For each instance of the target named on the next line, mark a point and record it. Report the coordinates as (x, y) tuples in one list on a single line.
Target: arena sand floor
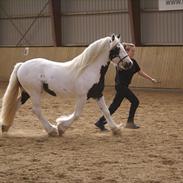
[(151, 154)]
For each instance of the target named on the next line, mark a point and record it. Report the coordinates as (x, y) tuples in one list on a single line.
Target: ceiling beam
[(56, 21), (134, 15)]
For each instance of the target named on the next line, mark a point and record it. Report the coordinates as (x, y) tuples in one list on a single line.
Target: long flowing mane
[(89, 55)]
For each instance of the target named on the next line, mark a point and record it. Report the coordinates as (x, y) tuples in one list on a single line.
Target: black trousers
[(121, 93)]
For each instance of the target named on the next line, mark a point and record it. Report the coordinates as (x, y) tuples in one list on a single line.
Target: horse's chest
[(96, 91)]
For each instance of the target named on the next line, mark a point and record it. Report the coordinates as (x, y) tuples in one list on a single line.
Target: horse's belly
[(61, 89)]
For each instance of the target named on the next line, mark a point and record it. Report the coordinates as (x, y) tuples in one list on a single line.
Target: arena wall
[(163, 63)]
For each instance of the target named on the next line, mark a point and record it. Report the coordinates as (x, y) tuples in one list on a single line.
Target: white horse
[(82, 77)]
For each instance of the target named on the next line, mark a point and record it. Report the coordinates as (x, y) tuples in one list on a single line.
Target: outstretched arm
[(146, 76)]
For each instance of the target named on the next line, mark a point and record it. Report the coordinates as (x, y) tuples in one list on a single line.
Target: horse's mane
[(89, 55)]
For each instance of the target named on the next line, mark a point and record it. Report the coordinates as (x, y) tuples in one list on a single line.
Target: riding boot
[(130, 124), (101, 125)]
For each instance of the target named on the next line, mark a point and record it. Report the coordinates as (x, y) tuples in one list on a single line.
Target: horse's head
[(118, 54)]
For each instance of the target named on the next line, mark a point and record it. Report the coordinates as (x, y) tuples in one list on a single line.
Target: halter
[(121, 59)]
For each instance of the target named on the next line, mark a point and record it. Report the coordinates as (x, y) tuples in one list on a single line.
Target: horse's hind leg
[(64, 122), (51, 129)]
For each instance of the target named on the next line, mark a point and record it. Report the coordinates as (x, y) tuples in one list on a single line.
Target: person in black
[(122, 80)]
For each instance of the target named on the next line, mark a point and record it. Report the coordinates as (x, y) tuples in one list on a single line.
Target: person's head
[(130, 49)]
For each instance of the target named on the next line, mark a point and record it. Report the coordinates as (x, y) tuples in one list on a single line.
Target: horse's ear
[(113, 37), (118, 36)]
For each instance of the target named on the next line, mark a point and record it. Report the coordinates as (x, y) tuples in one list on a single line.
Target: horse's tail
[(9, 101)]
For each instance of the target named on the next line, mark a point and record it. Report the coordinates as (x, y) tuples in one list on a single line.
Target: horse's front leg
[(103, 107), (64, 122)]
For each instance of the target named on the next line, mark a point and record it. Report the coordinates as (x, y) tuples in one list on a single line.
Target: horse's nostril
[(130, 64)]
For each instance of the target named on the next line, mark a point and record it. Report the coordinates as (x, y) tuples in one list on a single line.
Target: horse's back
[(32, 71), (37, 63), (30, 67)]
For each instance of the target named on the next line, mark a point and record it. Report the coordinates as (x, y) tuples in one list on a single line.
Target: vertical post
[(56, 21), (134, 15)]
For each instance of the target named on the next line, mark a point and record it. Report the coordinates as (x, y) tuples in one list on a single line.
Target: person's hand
[(154, 81)]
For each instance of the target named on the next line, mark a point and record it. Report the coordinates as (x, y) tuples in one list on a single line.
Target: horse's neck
[(102, 59), (88, 77), (94, 69)]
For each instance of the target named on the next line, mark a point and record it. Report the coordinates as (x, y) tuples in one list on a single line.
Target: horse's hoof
[(53, 134), (116, 131), (4, 128), (61, 129)]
